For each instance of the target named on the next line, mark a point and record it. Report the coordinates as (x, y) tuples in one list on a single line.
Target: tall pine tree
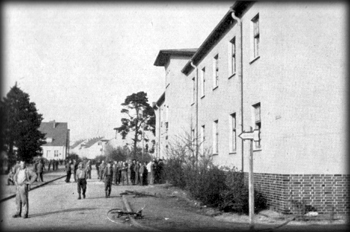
[(21, 123)]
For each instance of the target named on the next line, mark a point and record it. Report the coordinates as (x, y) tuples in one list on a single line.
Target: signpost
[(251, 136)]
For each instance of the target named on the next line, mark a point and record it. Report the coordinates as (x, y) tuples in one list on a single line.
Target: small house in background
[(88, 148), (57, 140)]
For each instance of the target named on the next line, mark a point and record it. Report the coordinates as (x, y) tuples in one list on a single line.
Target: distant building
[(57, 140), (89, 148), (280, 69)]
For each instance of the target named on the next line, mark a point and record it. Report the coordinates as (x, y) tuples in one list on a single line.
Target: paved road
[(55, 207)]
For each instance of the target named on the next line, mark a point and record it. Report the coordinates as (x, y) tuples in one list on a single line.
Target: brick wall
[(319, 192)]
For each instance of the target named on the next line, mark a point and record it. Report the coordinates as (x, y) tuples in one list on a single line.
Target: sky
[(79, 61)]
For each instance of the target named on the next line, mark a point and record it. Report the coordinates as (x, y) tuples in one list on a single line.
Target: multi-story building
[(57, 140), (173, 116), (278, 68)]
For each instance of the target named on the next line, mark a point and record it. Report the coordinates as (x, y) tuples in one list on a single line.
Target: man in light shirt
[(23, 178), (81, 175)]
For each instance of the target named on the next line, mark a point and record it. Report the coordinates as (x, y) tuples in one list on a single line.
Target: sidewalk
[(8, 191), (168, 207)]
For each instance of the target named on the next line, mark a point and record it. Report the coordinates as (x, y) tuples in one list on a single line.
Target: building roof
[(76, 143), (226, 22), (161, 100), (92, 141), (164, 55), (59, 133)]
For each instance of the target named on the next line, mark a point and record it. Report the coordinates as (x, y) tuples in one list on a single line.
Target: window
[(216, 137), (203, 82), (203, 139), (232, 57), (47, 153), (232, 145), (194, 90), (256, 36), (216, 71), (55, 153), (257, 123)]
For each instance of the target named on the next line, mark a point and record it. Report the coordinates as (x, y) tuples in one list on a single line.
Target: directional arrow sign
[(251, 135)]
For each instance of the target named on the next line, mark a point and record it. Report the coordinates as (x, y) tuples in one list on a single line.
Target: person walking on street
[(68, 170), (23, 178), (81, 175), (108, 176), (40, 171)]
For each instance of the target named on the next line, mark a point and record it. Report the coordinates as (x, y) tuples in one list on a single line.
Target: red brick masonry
[(320, 192)]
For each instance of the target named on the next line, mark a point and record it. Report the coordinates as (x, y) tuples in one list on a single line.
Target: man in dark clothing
[(40, 171), (108, 176), (97, 165), (74, 168), (68, 171), (132, 172)]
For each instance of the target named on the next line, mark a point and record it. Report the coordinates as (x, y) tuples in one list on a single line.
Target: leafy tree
[(140, 116), (21, 123), (118, 154)]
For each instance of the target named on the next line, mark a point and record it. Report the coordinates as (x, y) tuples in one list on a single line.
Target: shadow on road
[(60, 211)]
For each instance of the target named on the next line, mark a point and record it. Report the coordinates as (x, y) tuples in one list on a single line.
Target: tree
[(21, 123), (140, 117)]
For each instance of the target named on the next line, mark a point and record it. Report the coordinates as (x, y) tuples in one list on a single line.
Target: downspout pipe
[(240, 75), (196, 118)]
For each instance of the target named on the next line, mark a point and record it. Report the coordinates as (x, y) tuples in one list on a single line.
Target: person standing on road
[(40, 170), (88, 168), (81, 175), (97, 165), (74, 169), (124, 176), (23, 178), (141, 171), (137, 172), (68, 171), (115, 172), (132, 171), (108, 176), (150, 172)]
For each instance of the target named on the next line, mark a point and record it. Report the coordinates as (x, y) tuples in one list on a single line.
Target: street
[(55, 207)]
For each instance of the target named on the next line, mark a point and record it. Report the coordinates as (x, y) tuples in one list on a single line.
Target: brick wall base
[(288, 194)]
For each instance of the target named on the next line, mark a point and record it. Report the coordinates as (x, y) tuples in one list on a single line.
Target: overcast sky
[(78, 62)]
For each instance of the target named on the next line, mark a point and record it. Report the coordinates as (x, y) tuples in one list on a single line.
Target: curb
[(133, 221), (37, 186)]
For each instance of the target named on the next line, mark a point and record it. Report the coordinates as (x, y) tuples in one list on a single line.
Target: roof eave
[(215, 35)]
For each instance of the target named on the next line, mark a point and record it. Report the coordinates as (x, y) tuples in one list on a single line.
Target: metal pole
[(251, 184)]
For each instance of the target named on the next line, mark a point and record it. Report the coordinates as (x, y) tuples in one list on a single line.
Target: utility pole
[(251, 136)]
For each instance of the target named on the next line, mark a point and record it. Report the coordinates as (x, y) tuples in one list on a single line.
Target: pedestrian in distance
[(124, 172), (68, 170), (40, 171), (97, 165), (137, 172), (74, 169), (23, 178), (81, 175), (150, 172), (115, 172), (108, 177), (88, 169), (102, 168), (49, 165), (142, 170), (132, 171)]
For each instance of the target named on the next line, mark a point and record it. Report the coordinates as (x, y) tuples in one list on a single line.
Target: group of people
[(117, 172), (134, 172)]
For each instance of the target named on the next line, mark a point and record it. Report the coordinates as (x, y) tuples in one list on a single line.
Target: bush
[(236, 197)]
